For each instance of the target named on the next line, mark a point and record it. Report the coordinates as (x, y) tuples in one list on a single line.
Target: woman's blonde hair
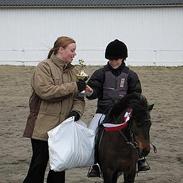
[(63, 42)]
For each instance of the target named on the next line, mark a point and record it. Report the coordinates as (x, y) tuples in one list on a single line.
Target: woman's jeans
[(39, 163)]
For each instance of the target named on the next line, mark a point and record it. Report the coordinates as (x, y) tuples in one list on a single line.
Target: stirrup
[(94, 171)]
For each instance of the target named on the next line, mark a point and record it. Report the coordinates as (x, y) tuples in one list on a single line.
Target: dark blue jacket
[(97, 80)]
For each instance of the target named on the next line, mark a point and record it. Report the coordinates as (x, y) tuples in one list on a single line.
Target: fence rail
[(95, 56)]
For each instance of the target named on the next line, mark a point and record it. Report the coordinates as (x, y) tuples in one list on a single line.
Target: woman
[(54, 98), (108, 85)]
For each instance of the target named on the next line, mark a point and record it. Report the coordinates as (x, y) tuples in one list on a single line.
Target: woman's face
[(68, 53)]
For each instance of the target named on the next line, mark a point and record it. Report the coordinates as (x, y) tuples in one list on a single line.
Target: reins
[(133, 143)]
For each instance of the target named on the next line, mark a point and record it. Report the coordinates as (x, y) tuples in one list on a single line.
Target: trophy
[(82, 75)]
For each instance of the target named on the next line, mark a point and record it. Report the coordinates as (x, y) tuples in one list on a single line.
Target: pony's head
[(140, 121)]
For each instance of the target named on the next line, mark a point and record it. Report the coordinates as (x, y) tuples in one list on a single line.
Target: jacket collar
[(60, 63)]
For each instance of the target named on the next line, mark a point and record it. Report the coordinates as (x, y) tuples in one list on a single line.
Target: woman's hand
[(81, 85), (75, 114)]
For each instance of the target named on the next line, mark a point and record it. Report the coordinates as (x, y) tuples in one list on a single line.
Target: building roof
[(88, 3)]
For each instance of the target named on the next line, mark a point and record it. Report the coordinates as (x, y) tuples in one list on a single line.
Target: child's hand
[(88, 90)]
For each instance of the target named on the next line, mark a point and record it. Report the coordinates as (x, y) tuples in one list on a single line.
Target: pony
[(127, 139)]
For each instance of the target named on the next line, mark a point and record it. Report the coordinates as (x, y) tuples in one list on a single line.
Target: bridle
[(133, 141)]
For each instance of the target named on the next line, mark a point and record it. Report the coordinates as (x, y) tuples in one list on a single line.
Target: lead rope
[(154, 147)]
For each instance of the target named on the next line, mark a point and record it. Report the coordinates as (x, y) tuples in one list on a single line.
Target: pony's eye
[(140, 124), (144, 123)]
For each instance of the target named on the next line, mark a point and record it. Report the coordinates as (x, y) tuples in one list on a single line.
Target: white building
[(152, 29)]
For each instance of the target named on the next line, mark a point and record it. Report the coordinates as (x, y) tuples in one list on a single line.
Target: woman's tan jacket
[(54, 97)]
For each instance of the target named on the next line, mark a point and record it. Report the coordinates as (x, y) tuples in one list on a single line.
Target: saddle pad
[(114, 127), (123, 124)]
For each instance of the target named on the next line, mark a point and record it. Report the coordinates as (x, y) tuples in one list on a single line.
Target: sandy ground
[(161, 85)]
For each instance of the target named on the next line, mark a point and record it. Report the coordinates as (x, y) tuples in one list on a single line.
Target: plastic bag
[(70, 145)]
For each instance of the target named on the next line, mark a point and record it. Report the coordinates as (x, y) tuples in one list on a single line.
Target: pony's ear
[(150, 107)]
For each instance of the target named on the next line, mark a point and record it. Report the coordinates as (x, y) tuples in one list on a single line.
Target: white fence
[(95, 57), (154, 36)]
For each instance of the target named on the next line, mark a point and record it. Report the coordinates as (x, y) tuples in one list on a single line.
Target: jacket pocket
[(50, 108)]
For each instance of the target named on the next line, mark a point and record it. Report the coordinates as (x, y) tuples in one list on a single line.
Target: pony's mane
[(135, 101)]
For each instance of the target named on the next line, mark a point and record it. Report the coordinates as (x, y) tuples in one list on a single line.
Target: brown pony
[(120, 146)]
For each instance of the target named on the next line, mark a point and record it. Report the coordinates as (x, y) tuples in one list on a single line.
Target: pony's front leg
[(129, 177), (109, 176)]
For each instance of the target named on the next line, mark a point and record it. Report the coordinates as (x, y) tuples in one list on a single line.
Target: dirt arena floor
[(163, 86)]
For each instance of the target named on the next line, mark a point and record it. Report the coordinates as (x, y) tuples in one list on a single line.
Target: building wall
[(154, 36)]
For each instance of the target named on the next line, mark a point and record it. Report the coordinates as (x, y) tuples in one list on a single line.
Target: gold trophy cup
[(82, 75)]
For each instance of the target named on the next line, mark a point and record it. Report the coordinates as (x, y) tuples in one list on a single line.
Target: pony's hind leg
[(109, 176), (129, 177), (115, 177)]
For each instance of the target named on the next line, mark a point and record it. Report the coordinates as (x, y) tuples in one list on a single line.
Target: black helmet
[(115, 50)]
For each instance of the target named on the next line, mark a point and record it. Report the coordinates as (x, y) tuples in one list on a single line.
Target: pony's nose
[(144, 148)]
